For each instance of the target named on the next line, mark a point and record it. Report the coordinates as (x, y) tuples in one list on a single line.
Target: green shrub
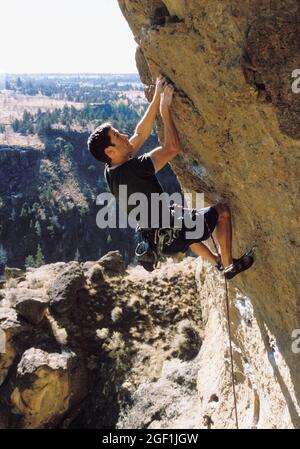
[(29, 261), (36, 261)]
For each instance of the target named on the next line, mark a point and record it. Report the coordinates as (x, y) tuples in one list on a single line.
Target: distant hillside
[(47, 203)]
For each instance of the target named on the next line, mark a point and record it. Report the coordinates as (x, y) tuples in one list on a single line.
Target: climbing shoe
[(238, 266), (219, 266)]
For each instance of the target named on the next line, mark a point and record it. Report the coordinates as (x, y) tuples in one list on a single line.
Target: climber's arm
[(145, 125), (162, 155)]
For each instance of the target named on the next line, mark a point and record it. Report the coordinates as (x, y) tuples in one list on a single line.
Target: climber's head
[(108, 145), (98, 141)]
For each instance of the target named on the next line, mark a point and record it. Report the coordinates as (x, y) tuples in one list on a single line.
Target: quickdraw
[(164, 236)]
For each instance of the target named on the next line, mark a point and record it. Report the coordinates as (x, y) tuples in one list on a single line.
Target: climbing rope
[(231, 355), (229, 330), (167, 236)]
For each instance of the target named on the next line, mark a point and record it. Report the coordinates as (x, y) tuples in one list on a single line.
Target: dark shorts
[(181, 244)]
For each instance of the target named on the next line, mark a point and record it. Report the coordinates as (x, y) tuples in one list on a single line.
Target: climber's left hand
[(161, 82)]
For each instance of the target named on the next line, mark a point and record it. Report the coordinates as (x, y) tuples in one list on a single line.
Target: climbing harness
[(164, 236), (146, 255), (152, 238)]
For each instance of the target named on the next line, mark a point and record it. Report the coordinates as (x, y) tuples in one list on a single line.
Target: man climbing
[(108, 145)]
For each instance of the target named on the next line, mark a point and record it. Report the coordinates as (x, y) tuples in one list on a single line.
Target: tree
[(43, 125), (68, 149), (3, 255), (29, 262), (30, 129), (35, 207), (16, 125), (46, 194), (8, 85), (54, 221), (24, 211), (39, 258), (38, 228), (77, 255)]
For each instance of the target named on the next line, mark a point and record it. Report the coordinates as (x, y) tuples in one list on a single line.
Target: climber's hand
[(166, 99), (159, 86)]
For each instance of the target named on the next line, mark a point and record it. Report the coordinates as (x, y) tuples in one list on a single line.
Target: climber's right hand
[(166, 98)]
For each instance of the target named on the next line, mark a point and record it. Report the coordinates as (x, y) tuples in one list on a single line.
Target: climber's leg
[(223, 232), (202, 250)]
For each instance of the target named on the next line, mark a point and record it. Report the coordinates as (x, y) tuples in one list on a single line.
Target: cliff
[(99, 344), (231, 64)]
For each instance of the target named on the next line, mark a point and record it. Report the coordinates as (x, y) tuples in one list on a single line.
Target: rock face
[(112, 263), (232, 67), (265, 390), (140, 350), (63, 291), (106, 332), (31, 305), (10, 326), (44, 387)]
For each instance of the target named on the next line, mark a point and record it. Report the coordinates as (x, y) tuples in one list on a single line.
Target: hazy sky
[(65, 36)]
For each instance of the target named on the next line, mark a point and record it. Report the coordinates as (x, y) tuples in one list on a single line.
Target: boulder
[(88, 264), (10, 326), (31, 304), (47, 384), (113, 263), (13, 273), (63, 291)]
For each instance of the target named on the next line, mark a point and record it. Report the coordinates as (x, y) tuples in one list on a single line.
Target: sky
[(65, 36)]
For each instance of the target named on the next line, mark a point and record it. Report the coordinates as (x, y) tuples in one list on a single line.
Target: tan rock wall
[(231, 63)]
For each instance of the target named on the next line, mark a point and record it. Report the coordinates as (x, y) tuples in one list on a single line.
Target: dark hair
[(98, 141)]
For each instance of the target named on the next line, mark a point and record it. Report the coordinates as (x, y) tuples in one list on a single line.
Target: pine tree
[(39, 258), (29, 261), (68, 149), (16, 125), (38, 228), (3, 255)]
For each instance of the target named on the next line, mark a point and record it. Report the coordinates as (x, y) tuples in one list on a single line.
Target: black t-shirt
[(138, 174)]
